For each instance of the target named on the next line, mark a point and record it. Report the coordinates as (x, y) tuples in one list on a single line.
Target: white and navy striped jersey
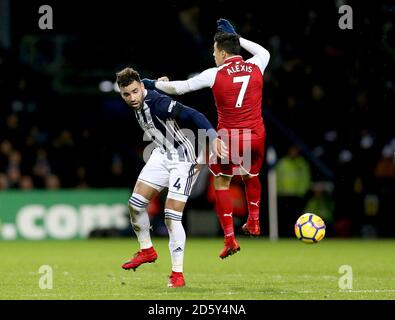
[(177, 130)]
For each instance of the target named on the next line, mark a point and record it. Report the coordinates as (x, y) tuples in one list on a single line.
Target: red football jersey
[(237, 92), (237, 87)]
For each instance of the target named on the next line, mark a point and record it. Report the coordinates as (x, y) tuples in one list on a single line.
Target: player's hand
[(148, 83), (225, 26), (219, 148), (164, 78)]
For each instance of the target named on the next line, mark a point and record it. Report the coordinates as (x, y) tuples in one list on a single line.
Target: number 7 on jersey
[(244, 80)]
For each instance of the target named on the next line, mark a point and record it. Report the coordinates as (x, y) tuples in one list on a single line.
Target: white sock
[(177, 238), (140, 220)]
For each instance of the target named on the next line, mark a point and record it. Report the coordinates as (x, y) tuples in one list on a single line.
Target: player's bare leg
[(173, 220), (253, 197), (139, 219), (224, 208)]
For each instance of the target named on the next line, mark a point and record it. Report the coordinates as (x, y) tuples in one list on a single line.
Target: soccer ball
[(310, 228)]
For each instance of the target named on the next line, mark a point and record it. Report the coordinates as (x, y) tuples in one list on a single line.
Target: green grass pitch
[(287, 269)]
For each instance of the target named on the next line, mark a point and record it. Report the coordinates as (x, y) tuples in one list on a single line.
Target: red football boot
[(142, 256), (231, 247), (176, 280), (252, 228)]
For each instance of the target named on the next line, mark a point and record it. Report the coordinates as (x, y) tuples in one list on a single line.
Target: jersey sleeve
[(163, 107), (187, 116), (260, 57), (205, 79), (166, 108)]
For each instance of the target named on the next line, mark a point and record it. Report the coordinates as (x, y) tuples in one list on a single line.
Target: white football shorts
[(179, 177)]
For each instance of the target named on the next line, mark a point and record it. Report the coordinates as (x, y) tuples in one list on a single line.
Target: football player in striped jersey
[(179, 134)]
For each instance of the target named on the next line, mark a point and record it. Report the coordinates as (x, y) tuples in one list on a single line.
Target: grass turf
[(283, 270)]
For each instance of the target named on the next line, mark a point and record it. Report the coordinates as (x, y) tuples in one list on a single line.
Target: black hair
[(126, 76), (228, 42)]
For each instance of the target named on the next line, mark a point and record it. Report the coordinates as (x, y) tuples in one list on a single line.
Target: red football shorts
[(245, 157)]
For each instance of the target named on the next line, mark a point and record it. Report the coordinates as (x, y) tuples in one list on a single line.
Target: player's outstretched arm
[(255, 49), (169, 87), (203, 80), (172, 87), (189, 115)]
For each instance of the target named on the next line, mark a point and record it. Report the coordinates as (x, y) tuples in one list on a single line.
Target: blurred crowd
[(321, 84)]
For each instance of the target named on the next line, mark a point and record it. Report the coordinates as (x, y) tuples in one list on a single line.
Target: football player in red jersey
[(237, 86)]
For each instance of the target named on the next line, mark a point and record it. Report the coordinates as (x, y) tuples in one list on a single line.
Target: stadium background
[(328, 91)]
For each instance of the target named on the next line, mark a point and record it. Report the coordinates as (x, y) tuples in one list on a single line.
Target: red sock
[(224, 208), (253, 195)]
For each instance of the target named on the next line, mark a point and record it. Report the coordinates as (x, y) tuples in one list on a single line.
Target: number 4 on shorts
[(177, 184)]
